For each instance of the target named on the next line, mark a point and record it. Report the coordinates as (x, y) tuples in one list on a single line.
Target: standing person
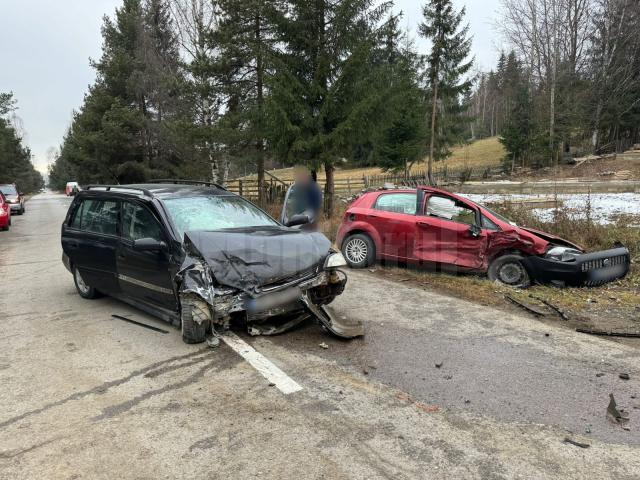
[(303, 198)]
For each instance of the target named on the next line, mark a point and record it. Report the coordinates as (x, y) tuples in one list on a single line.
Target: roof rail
[(187, 182), (119, 189)]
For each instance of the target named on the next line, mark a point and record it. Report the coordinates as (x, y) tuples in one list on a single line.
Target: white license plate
[(273, 300)]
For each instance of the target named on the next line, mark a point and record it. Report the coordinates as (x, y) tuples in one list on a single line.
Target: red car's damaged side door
[(448, 232)]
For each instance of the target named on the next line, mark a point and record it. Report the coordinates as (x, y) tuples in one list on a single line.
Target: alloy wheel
[(82, 286), (356, 250)]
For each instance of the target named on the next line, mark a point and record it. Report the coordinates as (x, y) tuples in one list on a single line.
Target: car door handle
[(372, 216), (423, 224)]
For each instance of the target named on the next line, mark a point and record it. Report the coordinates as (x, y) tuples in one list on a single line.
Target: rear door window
[(97, 216), (397, 203), (138, 222)]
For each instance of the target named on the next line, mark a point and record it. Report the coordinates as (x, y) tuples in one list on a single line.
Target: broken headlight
[(335, 260), (563, 254)]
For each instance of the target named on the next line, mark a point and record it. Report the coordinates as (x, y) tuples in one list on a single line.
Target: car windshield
[(208, 213), (8, 189), (498, 216)]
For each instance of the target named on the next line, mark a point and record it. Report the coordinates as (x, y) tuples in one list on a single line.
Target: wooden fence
[(275, 189)]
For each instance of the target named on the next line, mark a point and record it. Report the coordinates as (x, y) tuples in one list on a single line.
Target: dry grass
[(479, 154)]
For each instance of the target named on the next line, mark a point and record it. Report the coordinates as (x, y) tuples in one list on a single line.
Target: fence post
[(349, 185), (240, 187)]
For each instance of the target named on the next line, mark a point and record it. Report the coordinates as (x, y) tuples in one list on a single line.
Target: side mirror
[(474, 231), (298, 220), (149, 245)]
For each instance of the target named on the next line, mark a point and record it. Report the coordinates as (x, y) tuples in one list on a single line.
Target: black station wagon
[(200, 257)]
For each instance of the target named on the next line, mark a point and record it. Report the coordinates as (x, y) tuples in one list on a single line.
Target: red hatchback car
[(5, 213), (436, 228)]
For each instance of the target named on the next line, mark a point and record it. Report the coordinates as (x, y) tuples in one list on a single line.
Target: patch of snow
[(604, 206)]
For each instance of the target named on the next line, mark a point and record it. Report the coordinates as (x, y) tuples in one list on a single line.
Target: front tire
[(195, 318), (84, 290), (509, 270), (359, 250)]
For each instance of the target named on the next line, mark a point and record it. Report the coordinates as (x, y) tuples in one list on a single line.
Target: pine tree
[(517, 134), (402, 129), (447, 68), (15, 158), (124, 131), (245, 40), (321, 101)]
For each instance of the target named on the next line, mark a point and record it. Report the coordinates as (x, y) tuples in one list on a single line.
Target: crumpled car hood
[(249, 258), (552, 238)]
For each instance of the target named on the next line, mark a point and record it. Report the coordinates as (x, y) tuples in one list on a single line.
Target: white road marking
[(258, 361)]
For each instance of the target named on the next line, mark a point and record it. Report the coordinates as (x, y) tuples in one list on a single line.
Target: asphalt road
[(85, 396)]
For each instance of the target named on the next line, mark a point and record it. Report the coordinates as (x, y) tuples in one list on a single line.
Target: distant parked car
[(437, 228), (71, 189), (14, 197), (5, 213)]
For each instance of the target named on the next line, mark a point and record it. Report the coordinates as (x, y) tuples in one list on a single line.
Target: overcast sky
[(45, 48)]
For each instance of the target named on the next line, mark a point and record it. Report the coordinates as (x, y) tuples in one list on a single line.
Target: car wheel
[(195, 318), (359, 250), (84, 290), (509, 270)]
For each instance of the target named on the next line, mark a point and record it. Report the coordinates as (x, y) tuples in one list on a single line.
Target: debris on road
[(614, 414), (406, 398), (323, 345), (608, 333), (624, 376), (553, 307), (427, 408), (526, 306), (438, 365), (140, 324), (577, 444)]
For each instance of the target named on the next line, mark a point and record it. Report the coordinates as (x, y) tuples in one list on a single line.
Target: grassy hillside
[(481, 153)]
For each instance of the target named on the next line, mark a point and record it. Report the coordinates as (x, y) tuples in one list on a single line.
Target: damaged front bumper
[(276, 309), (586, 270)]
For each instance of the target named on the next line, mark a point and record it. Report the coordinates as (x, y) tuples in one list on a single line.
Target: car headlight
[(335, 260), (563, 254)]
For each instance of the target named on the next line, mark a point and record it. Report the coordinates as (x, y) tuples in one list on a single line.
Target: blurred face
[(302, 177)]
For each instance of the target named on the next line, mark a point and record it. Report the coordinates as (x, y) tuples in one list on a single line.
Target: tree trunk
[(434, 107), (328, 189), (260, 98), (552, 116)]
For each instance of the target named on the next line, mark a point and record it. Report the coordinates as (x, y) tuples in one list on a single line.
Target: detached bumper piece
[(340, 326), (588, 270)]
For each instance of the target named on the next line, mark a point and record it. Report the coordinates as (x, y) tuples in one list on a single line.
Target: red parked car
[(436, 228), (5, 213)]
